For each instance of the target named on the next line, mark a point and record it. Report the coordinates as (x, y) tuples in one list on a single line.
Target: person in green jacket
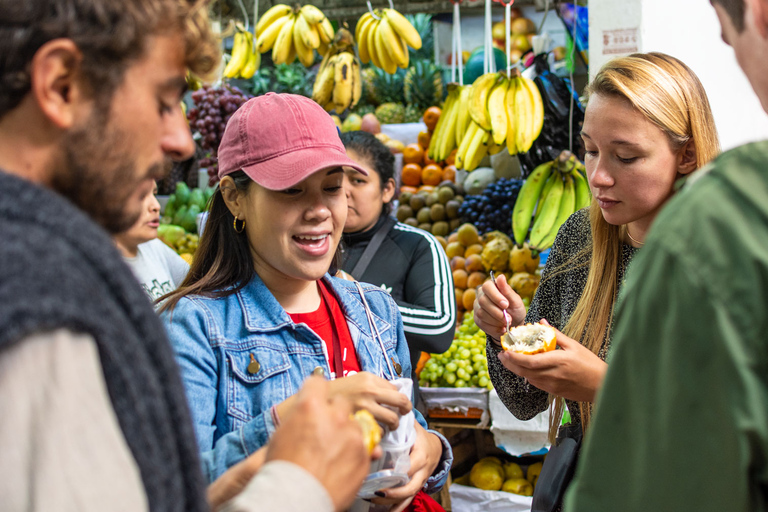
[(681, 421)]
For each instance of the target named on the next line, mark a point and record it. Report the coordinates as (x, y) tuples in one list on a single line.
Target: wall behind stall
[(472, 29), (689, 31)]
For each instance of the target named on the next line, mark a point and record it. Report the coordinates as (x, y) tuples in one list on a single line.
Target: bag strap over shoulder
[(373, 246)]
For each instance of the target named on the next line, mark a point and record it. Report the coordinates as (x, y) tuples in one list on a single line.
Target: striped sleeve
[(429, 306)]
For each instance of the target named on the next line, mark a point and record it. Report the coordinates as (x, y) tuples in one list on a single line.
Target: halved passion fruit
[(530, 339)]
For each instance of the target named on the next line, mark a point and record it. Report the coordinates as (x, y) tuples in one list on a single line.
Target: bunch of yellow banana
[(511, 109), (244, 60), (292, 32), (551, 194), (383, 37), (338, 85)]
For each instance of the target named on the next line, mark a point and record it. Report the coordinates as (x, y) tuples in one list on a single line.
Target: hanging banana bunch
[(244, 60), (292, 32), (493, 111), (338, 85), (383, 38), (551, 194)]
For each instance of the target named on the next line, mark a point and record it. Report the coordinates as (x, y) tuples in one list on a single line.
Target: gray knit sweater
[(60, 270)]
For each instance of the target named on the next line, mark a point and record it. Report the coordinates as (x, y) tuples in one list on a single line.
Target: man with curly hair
[(94, 415)]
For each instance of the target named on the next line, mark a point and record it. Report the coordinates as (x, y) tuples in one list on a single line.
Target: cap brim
[(290, 168)]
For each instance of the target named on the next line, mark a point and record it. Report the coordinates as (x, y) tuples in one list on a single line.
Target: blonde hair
[(671, 96)]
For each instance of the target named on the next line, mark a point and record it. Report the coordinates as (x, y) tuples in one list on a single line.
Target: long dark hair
[(368, 146), (223, 264)]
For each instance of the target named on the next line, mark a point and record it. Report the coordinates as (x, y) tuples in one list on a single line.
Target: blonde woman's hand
[(425, 456), (573, 372), (368, 391), (492, 300)]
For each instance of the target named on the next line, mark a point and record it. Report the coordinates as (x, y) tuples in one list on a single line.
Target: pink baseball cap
[(279, 140)]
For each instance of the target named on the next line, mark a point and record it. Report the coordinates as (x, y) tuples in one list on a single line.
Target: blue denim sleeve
[(440, 476), (190, 328)]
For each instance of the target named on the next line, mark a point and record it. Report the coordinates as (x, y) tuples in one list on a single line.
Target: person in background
[(647, 123), (94, 415), (407, 262), (259, 311), (157, 267), (681, 419)]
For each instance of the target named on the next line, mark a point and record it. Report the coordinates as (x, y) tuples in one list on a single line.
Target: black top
[(58, 269), (555, 300), (412, 266)]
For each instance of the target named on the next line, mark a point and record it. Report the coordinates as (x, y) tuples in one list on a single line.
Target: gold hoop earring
[(242, 228)]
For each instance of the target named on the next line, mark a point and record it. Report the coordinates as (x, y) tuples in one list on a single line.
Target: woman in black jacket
[(407, 262)]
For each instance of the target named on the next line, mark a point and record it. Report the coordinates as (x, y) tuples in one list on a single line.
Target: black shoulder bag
[(557, 471)]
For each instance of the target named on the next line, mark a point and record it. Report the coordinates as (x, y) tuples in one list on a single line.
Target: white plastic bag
[(471, 499)]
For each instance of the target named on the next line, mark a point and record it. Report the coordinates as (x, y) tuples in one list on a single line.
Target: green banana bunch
[(566, 208), (294, 32), (338, 85), (552, 193), (526, 201), (383, 37)]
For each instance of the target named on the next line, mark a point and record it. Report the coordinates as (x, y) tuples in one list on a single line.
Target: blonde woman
[(648, 123)]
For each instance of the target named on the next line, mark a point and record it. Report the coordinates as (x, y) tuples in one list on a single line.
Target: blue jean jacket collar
[(262, 312)]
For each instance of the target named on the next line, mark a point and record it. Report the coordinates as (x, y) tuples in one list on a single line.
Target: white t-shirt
[(158, 268)]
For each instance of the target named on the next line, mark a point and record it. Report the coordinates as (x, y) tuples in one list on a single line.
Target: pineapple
[(364, 108), (412, 114), (390, 113), (423, 25), (423, 85), (388, 88), (368, 74)]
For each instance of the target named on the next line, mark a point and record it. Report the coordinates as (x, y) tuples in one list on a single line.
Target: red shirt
[(323, 325)]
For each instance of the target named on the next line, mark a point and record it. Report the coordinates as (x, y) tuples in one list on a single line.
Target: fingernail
[(380, 494)]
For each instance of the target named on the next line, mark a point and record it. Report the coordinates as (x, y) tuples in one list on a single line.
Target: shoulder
[(574, 235), (377, 298), (413, 240)]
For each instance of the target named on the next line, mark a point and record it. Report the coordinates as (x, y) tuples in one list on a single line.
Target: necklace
[(636, 241)]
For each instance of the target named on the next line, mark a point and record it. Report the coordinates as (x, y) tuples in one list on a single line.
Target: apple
[(370, 124)]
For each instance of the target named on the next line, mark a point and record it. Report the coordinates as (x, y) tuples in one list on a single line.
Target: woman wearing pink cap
[(259, 311)]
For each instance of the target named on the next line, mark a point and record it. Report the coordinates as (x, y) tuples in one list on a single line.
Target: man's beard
[(98, 174)]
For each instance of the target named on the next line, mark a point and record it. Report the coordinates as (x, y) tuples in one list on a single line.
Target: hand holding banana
[(554, 190), (383, 37), (338, 85), (293, 32)]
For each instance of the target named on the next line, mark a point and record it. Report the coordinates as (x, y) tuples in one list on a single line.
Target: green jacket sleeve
[(681, 420)]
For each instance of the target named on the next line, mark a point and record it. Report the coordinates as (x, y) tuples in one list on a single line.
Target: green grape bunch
[(464, 364)]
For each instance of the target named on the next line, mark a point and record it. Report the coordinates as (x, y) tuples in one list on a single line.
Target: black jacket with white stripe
[(412, 266)]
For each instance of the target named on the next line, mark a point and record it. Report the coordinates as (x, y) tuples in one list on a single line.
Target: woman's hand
[(368, 391), (491, 303), (425, 456), (574, 372)]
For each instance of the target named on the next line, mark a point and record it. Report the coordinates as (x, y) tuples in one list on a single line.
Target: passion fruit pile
[(435, 211)]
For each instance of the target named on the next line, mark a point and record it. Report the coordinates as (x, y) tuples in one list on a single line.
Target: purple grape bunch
[(208, 118), (492, 210)]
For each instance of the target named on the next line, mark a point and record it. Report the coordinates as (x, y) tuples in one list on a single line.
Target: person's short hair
[(735, 10), (368, 146), (111, 34)]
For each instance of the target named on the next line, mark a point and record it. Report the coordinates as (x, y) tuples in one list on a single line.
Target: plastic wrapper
[(471, 499)]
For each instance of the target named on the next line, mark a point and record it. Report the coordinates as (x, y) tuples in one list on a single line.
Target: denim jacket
[(214, 339)]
